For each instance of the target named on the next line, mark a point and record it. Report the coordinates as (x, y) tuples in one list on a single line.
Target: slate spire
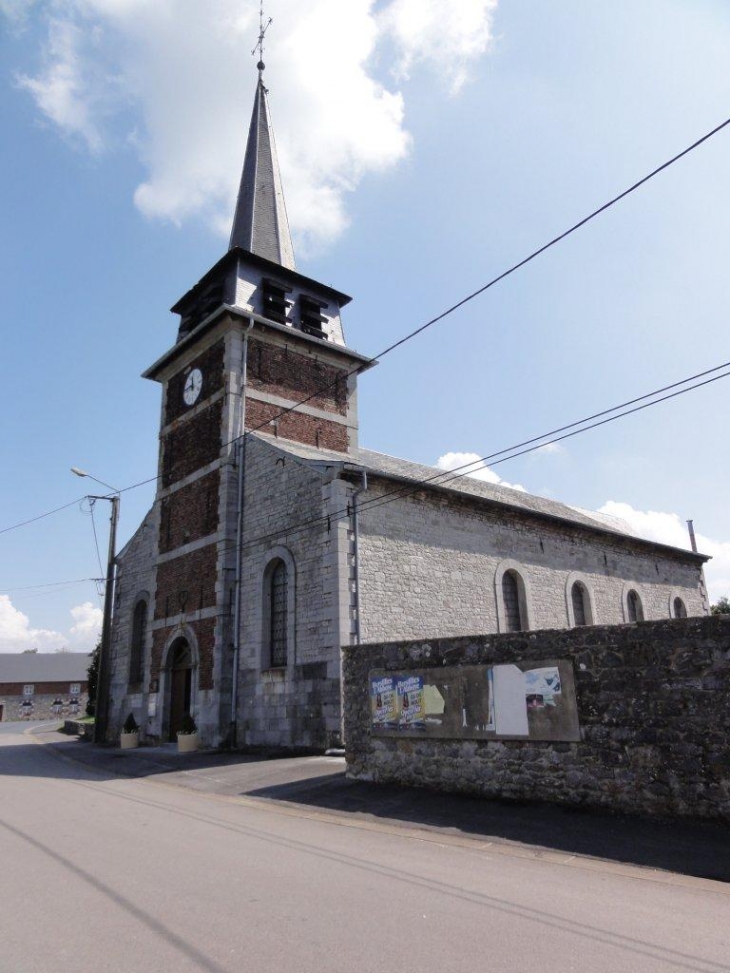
[(260, 223)]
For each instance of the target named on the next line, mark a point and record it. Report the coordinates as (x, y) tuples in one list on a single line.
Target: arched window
[(634, 607), (680, 609), (139, 635), (578, 595), (513, 615), (278, 615)]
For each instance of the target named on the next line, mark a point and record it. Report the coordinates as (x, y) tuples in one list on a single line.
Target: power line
[(500, 277), (444, 314), (470, 297), (48, 513), (50, 584), (519, 449)]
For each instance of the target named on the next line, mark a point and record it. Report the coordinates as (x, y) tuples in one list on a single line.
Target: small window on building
[(278, 615), (635, 609), (74, 689), (513, 615), (579, 594), (29, 690), (680, 609), (139, 635)]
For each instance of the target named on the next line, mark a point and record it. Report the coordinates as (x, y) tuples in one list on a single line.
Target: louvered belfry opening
[(311, 318), (279, 615), (275, 304)]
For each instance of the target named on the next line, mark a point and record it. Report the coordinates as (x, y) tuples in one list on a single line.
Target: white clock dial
[(193, 385)]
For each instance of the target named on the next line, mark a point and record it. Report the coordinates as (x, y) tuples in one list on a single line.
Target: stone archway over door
[(181, 684)]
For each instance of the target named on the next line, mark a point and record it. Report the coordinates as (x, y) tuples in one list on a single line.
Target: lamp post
[(101, 714)]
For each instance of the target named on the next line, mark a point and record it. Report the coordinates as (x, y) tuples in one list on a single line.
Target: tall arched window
[(680, 609), (513, 615), (139, 634), (578, 596), (278, 615), (634, 606)]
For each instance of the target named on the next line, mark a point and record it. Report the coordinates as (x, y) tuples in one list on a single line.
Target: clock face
[(193, 385)]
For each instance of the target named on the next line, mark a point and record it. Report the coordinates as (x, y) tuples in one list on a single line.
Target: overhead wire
[(440, 317), (519, 449)]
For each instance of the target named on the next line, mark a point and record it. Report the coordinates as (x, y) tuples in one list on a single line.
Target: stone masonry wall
[(297, 705), (428, 567), (652, 705), (50, 701), (135, 580)]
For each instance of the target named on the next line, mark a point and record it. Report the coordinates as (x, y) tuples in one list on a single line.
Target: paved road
[(129, 875)]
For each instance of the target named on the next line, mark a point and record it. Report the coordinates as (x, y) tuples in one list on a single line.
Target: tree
[(92, 675), (30, 651), (722, 607)]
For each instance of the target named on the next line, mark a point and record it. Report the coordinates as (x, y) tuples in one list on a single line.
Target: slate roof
[(260, 222), (394, 468), (32, 667)]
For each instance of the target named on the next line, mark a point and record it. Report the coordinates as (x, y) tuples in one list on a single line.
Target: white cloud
[(178, 75), (63, 91), (551, 449), (446, 37), (476, 468), (87, 626), (17, 633), (669, 528)]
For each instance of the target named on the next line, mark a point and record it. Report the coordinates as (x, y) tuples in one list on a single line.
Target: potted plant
[(187, 735), (129, 737)]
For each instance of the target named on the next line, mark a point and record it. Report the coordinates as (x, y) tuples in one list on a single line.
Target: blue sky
[(424, 149)]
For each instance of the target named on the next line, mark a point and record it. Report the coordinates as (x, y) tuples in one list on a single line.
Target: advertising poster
[(383, 702), (411, 709)]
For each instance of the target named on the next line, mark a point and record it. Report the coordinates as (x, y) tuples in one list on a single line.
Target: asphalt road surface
[(104, 874)]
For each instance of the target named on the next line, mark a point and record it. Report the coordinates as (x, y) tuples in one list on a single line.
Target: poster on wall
[(383, 705), (510, 701), (411, 709)]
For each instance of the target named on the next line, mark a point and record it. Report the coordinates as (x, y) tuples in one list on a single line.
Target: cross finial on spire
[(260, 43)]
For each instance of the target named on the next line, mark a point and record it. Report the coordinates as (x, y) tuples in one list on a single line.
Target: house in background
[(43, 685)]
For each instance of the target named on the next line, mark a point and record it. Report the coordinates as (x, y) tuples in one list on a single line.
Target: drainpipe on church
[(356, 533), (241, 461)]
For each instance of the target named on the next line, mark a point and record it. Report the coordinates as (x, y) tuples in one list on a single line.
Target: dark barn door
[(181, 680)]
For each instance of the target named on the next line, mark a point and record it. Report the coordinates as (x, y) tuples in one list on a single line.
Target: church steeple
[(260, 223)]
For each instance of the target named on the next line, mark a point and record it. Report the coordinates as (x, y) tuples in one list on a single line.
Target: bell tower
[(260, 349)]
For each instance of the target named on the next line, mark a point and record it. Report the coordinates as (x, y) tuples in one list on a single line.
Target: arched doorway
[(181, 683)]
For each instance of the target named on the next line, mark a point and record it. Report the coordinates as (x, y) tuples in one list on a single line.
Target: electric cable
[(444, 314), (519, 449)]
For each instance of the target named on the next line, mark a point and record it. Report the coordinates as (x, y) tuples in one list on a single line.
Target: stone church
[(264, 553)]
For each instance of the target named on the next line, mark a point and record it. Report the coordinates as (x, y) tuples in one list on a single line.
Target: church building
[(275, 538)]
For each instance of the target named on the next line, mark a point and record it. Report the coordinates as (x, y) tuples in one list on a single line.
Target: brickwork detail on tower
[(210, 364), (190, 513), (186, 584), (298, 426), (291, 375), (193, 444)]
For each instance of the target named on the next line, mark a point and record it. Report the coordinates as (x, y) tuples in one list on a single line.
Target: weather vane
[(263, 27)]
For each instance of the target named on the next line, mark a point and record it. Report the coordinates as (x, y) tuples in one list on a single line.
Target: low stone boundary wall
[(653, 716)]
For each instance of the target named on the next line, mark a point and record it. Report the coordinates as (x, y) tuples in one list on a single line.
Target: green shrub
[(188, 725), (130, 724)]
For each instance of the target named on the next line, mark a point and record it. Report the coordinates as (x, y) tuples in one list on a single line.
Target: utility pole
[(102, 690)]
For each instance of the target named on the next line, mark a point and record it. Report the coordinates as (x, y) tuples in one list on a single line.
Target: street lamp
[(101, 715)]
